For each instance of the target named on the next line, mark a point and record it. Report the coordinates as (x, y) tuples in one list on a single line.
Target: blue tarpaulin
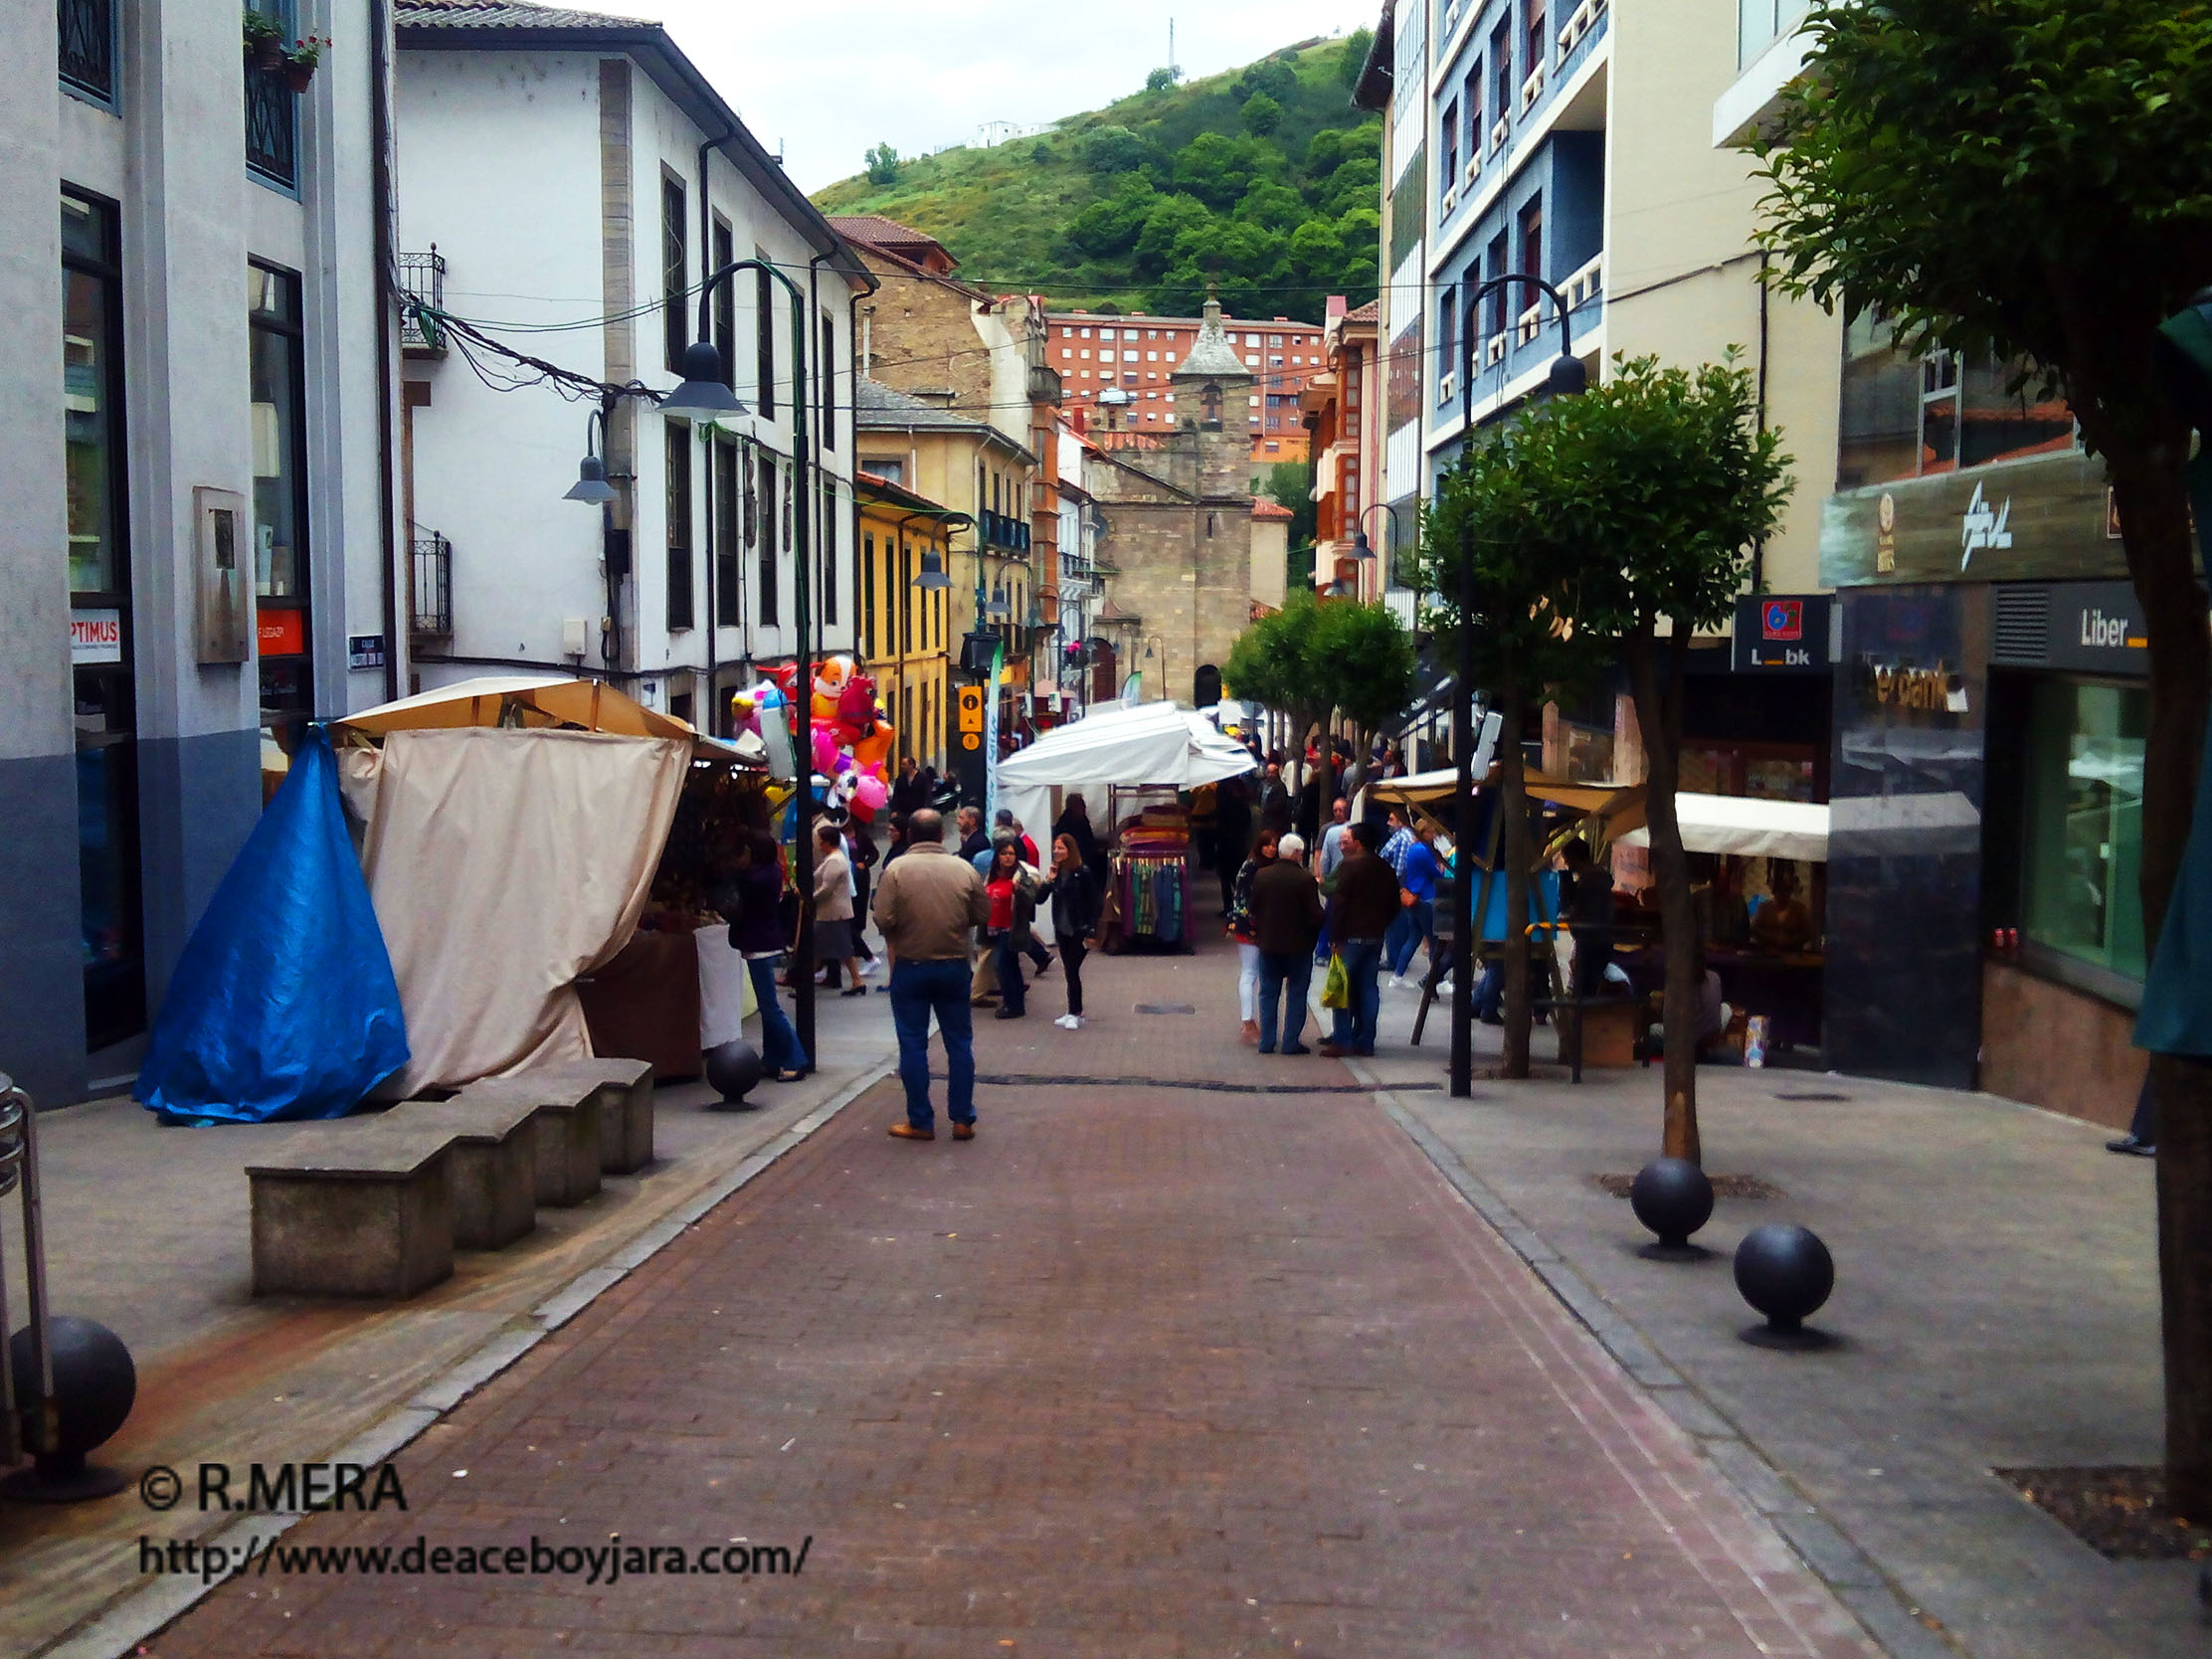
[(284, 1003)]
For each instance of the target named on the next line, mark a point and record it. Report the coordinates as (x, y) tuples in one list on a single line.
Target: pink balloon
[(872, 793), (826, 748)]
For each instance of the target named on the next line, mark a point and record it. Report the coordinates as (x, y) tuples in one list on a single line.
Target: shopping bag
[(1336, 984)]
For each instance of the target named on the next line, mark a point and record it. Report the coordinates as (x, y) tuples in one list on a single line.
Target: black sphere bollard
[(1786, 1273), (1673, 1197), (734, 1070), (95, 1385)]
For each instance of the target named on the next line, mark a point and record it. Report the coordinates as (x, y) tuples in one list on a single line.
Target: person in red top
[(1011, 885)]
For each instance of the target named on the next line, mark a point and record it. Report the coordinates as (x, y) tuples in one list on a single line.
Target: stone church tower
[(1178, 511)]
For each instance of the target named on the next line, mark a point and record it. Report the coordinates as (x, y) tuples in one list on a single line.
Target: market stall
[(1145, 757)]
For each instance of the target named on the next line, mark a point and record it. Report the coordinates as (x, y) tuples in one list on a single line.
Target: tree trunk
[(1325, 789), (1513, 853), (2154, 519), (1659, 711)]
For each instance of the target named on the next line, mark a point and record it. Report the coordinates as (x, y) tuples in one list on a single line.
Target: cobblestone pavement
[(1144, 1370)]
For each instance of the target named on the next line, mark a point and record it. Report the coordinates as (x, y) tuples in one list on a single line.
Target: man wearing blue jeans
[(1361, 911), (925, 907), (1285, 911), (1416, 876)]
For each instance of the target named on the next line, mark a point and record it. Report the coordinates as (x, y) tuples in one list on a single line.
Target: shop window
[(280, 564), (2083, 854)]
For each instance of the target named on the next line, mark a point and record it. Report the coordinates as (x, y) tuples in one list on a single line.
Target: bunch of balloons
[(852, 735)]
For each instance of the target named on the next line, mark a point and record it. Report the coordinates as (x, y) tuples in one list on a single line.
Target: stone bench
[(624, 1108), (363, 1208), (493, 1164), (566, 1112)]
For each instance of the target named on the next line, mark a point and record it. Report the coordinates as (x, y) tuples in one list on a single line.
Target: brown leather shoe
[(907, 1132), (964, 1131), (1333, 1052)]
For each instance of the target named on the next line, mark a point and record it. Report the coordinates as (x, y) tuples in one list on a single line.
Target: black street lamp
[(591, 483), (704, 398), (1565, 378)]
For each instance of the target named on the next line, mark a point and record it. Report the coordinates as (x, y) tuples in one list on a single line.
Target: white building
[(197, 556), (550, 189)]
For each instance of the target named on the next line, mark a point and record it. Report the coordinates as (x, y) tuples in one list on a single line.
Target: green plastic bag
[(1336, 984)]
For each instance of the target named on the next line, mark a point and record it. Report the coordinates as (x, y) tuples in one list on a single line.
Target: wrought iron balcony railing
[(423, 279), (87, 47), (431, 587), (272, 127)]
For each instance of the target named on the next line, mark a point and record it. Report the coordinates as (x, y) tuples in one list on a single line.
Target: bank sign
[(1782, 633)]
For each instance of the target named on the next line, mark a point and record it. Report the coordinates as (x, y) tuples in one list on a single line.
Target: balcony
[(1585, 284), (1584, 20), (1532, 89), (88, 47), (430, 586), (271, 127), (1045, 384), (1005, 532), (423, 280)]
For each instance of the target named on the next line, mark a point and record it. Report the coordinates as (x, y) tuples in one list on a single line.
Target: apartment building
[(576, 178), (1136, 358), (199, 552)]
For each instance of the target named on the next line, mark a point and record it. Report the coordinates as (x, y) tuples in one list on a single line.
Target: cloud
[(828, 80)]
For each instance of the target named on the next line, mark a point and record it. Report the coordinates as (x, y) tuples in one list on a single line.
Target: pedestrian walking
[(925, 906), (1240, 930), (910, 789), (1398, 842), (1075, 897), (1360, 913), (1233, 836), (1075, 822), (859, 848), (1416, 881), (1032, 946), (1012, 888), (760, 933), (972, 839), (1332, 839), (1286, 915), (1274, 800), (834, 910), (896, 842)]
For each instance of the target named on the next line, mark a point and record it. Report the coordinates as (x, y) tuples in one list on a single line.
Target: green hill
[(1263, 180)]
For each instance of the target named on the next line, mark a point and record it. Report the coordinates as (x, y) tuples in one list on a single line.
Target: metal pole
[(1463, 1080), (803, 684)]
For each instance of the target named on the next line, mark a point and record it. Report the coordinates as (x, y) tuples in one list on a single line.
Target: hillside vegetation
[(1263, 180)]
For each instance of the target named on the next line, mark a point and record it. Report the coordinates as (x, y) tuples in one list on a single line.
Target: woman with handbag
[(761, 929), (1075, 895), (1240, 930)]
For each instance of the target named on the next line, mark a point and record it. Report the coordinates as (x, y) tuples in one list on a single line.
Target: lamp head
[(702, 397), (1568, 377), (1361, 548), (591, 483), (932, 575)]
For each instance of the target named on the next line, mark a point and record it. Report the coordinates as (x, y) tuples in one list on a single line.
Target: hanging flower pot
[(266, 54), (298, 64), (299, 75)]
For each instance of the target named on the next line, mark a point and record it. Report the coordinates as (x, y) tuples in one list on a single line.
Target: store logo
[(1984, 527), (1783, 618)]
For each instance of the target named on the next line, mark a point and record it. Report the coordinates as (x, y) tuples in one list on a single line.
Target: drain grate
[(1724, 1185), (1167, 1007), (1809, 1094), (1210, 1085)]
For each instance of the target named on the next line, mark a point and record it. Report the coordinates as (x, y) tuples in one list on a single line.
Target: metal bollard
[(19, 1169)]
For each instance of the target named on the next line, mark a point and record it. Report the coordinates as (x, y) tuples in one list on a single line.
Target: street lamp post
[(702, 399), (1567, 378)]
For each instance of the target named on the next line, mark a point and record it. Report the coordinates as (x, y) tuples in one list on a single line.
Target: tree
[(1219, 170), (1110, 227), (1663, 482), (1112, 149), (884, 165), (1270, 664), (1289, 484), (1159, 79), (2034, 178), (1261, 114), (1315, 662), (1357, 46), (1364, 658), (1493, 519)]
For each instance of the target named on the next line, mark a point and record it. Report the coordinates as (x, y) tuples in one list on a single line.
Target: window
[(1274, 339), (1495, 263), (765, 520), (2083, 818), (726, 305), (1901, 419), (1447, 338), (892, 468), (273, 108), (674, 259), (729, 610), (1538, 51), (1761, 22), (278, 416), (764, 310), (826, 541), (1448, 180), (100, 583), (1086, 333), (906, 599), (1151, 357), (88, 49), (1501, 74), (678, 437), (1471, 93), (1532, 239)]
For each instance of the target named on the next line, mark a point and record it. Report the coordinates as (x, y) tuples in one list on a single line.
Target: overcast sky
[(828, 79)]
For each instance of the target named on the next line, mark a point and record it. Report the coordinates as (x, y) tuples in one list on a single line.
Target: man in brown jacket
[(1285, 909), (1360, 914), (925, 906)]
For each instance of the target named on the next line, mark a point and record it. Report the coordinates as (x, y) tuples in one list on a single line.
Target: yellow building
[(903, 631)]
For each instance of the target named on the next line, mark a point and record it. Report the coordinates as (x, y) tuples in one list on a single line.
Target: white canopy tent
[(1747, 825), (1149, 743)]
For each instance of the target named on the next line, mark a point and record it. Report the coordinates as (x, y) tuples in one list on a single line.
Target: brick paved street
[(1144, 1370)]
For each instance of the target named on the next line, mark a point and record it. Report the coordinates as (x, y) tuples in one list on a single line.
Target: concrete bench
[(363, 1208), (624, 1108), (567, 1115), (493, 1164)]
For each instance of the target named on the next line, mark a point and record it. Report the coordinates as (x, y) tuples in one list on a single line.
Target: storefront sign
[(1782, 633), (365, 650), (282, 632), (2044, 517), (2096, 627), (95, 636)]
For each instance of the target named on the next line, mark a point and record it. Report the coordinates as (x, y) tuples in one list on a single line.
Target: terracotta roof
[(1262, 507), (1372, 311), (874, 228), (880, 408), (505, 14), (886, 489)]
